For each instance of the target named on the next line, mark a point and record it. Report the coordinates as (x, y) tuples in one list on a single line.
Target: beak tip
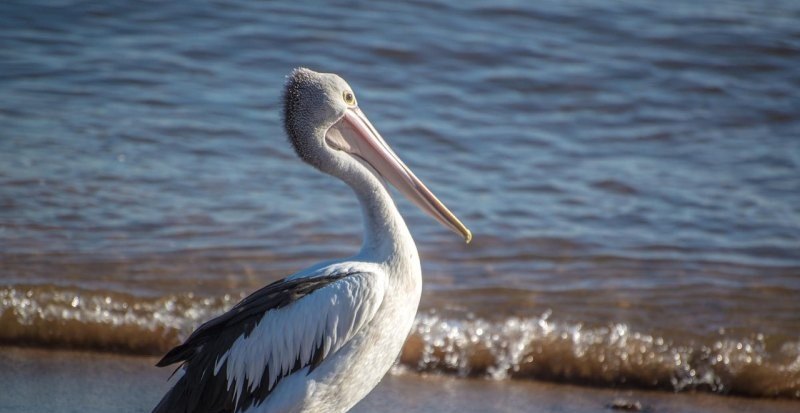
[(468, 236)]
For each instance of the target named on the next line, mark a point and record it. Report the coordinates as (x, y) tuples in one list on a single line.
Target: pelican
[(321, 339)]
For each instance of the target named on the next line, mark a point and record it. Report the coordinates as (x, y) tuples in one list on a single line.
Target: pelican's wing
[(235, 360)]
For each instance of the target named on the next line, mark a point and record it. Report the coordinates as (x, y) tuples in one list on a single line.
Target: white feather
[(220, 362), (229, 371)]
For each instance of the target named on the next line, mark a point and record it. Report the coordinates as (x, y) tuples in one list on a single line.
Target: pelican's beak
[(355, 135)]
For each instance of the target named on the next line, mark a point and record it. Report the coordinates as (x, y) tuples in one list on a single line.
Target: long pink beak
[(355, 135)]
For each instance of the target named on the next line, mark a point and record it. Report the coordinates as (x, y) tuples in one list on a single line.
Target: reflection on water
[(619, 165)]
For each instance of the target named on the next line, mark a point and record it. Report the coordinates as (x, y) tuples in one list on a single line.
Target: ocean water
[(630, 171)]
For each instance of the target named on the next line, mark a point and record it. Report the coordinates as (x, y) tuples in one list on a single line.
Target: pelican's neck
[(386, 236)]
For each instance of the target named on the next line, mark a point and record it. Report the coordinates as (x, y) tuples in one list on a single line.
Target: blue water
[(617, 162)]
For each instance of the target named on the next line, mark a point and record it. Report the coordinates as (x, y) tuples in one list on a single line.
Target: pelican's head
[(329, 131)]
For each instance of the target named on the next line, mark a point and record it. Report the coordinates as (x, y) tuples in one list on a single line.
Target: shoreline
[(72, 381)]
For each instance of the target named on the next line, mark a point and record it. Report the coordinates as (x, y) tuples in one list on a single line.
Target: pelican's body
[(321, 339)]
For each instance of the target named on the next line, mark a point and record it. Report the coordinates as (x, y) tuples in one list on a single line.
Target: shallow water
[(631, 173)]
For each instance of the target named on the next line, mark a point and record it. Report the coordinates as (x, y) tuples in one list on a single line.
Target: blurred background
[(630, 171)]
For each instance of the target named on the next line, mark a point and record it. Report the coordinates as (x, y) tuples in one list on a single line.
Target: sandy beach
[(36, 380)]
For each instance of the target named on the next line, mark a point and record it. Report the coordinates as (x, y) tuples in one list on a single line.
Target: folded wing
[(235, 360)]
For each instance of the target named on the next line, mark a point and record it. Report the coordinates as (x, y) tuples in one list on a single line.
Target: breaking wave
[(613, 355), (538, 347)]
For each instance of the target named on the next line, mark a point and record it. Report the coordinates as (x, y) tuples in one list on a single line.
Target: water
[(631, 172)]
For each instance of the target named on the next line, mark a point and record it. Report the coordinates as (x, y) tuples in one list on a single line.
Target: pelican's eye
[(349, 98)]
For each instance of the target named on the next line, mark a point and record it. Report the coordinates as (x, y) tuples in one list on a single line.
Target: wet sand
[(66, 381)]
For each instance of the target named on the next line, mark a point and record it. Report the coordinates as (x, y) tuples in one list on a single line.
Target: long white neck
[(386, 236)]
